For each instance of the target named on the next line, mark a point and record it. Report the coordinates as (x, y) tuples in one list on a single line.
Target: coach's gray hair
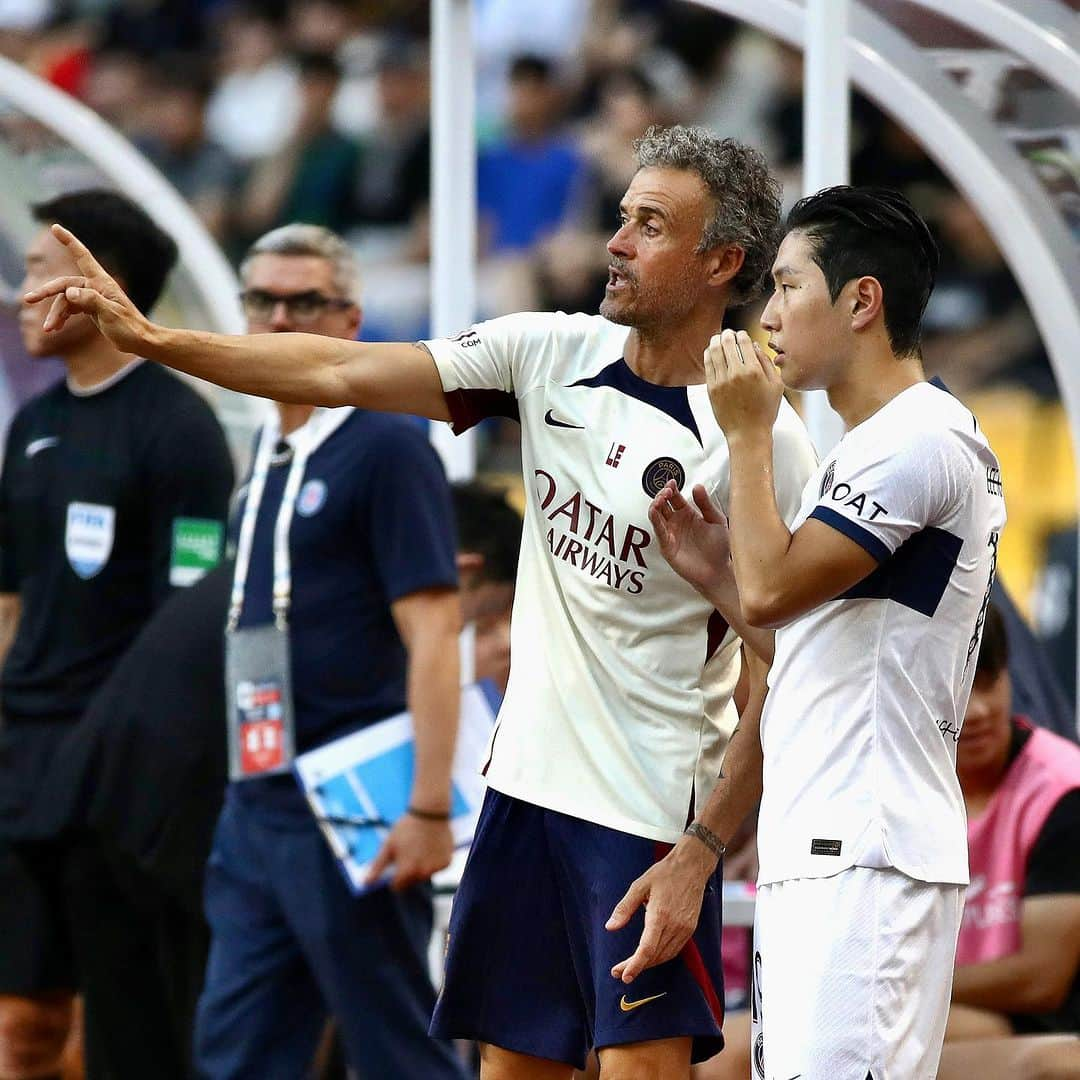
[(314, 240), (746, 196)]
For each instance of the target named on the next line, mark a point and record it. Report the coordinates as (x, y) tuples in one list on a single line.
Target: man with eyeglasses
[(344, 535)]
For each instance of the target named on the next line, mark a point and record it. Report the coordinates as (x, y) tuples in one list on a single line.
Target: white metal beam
[(117, 159), (1045, 33), (453, 197), (826, 153)]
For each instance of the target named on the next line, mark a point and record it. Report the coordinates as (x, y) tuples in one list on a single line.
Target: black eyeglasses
[(301, 307)]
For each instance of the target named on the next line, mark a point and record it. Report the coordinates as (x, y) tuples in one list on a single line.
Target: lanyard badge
[(258, 676), (260, 708)]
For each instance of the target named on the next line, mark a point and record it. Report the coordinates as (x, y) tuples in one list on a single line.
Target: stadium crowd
[(268, 114)]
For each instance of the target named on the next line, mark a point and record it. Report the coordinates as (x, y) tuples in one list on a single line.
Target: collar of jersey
[(318, 427), (672, 400), (112, 380)]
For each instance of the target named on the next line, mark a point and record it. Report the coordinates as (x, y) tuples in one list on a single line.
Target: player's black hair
[(184, 72), (529, 66), (122, 236), (994, 647), (488, 525), (314, 64), (873, 232)]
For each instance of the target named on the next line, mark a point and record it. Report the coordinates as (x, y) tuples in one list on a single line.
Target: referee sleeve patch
[(196, 549), (853, 531)]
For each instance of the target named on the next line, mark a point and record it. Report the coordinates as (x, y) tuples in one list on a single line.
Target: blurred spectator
[(319, 26), (393, 182), (1018, 957), (489, 539), (889, 155), (553, 30), (310, 179), (529, 183), (178, 145), (116, 89), (629, 105), (114, 491), (256, 105), (151, 27), (20, 24), (977, 324), (371, 575), (1034, 1057)]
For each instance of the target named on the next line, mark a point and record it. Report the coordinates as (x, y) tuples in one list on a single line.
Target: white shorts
[(852, 976)]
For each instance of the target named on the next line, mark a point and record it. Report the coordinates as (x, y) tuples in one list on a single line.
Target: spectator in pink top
[(1018, 956)]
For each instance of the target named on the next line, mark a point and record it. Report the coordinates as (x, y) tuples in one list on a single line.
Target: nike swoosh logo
[(630, 1006), (549, 418), (41, 444)]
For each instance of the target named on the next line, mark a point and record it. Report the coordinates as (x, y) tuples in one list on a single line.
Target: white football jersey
[(606, 715), (868, 691)]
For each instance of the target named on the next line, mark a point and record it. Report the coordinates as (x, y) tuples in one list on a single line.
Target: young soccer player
[(610, 734), (878, 593)]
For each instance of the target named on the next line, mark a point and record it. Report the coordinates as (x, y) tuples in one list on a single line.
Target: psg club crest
[(827, 480), (311, 498), (657, 473), (88, 538)]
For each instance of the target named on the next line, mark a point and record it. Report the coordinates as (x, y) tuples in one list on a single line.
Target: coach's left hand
[(671, 891), (416, 848), (744, 386)]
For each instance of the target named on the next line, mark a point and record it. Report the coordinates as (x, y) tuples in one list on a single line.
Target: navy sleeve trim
[(469, 407), (863, 537)]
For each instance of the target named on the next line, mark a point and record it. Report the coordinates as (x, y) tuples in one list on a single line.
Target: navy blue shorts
[(528, 964)]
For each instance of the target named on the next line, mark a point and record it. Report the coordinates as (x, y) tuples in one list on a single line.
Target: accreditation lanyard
[(258, 676), (308, 439)]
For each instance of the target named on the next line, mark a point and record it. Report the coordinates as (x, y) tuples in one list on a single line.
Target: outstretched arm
[(302, 368)]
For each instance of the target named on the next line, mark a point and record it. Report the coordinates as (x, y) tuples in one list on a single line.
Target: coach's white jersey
[(868, 691), (606, 712)]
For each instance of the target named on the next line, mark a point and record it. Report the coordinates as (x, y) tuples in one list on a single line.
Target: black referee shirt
[(105, 500)]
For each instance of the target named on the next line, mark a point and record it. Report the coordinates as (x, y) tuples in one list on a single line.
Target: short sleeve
[(485, 369), (190, 476), (902, 486), (405, 508), (1052, 865), (794, 462)]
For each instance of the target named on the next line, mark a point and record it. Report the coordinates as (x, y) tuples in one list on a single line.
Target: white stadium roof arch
[(49, 144)]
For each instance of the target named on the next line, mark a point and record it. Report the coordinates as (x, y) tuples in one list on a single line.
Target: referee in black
[(114, 491)]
